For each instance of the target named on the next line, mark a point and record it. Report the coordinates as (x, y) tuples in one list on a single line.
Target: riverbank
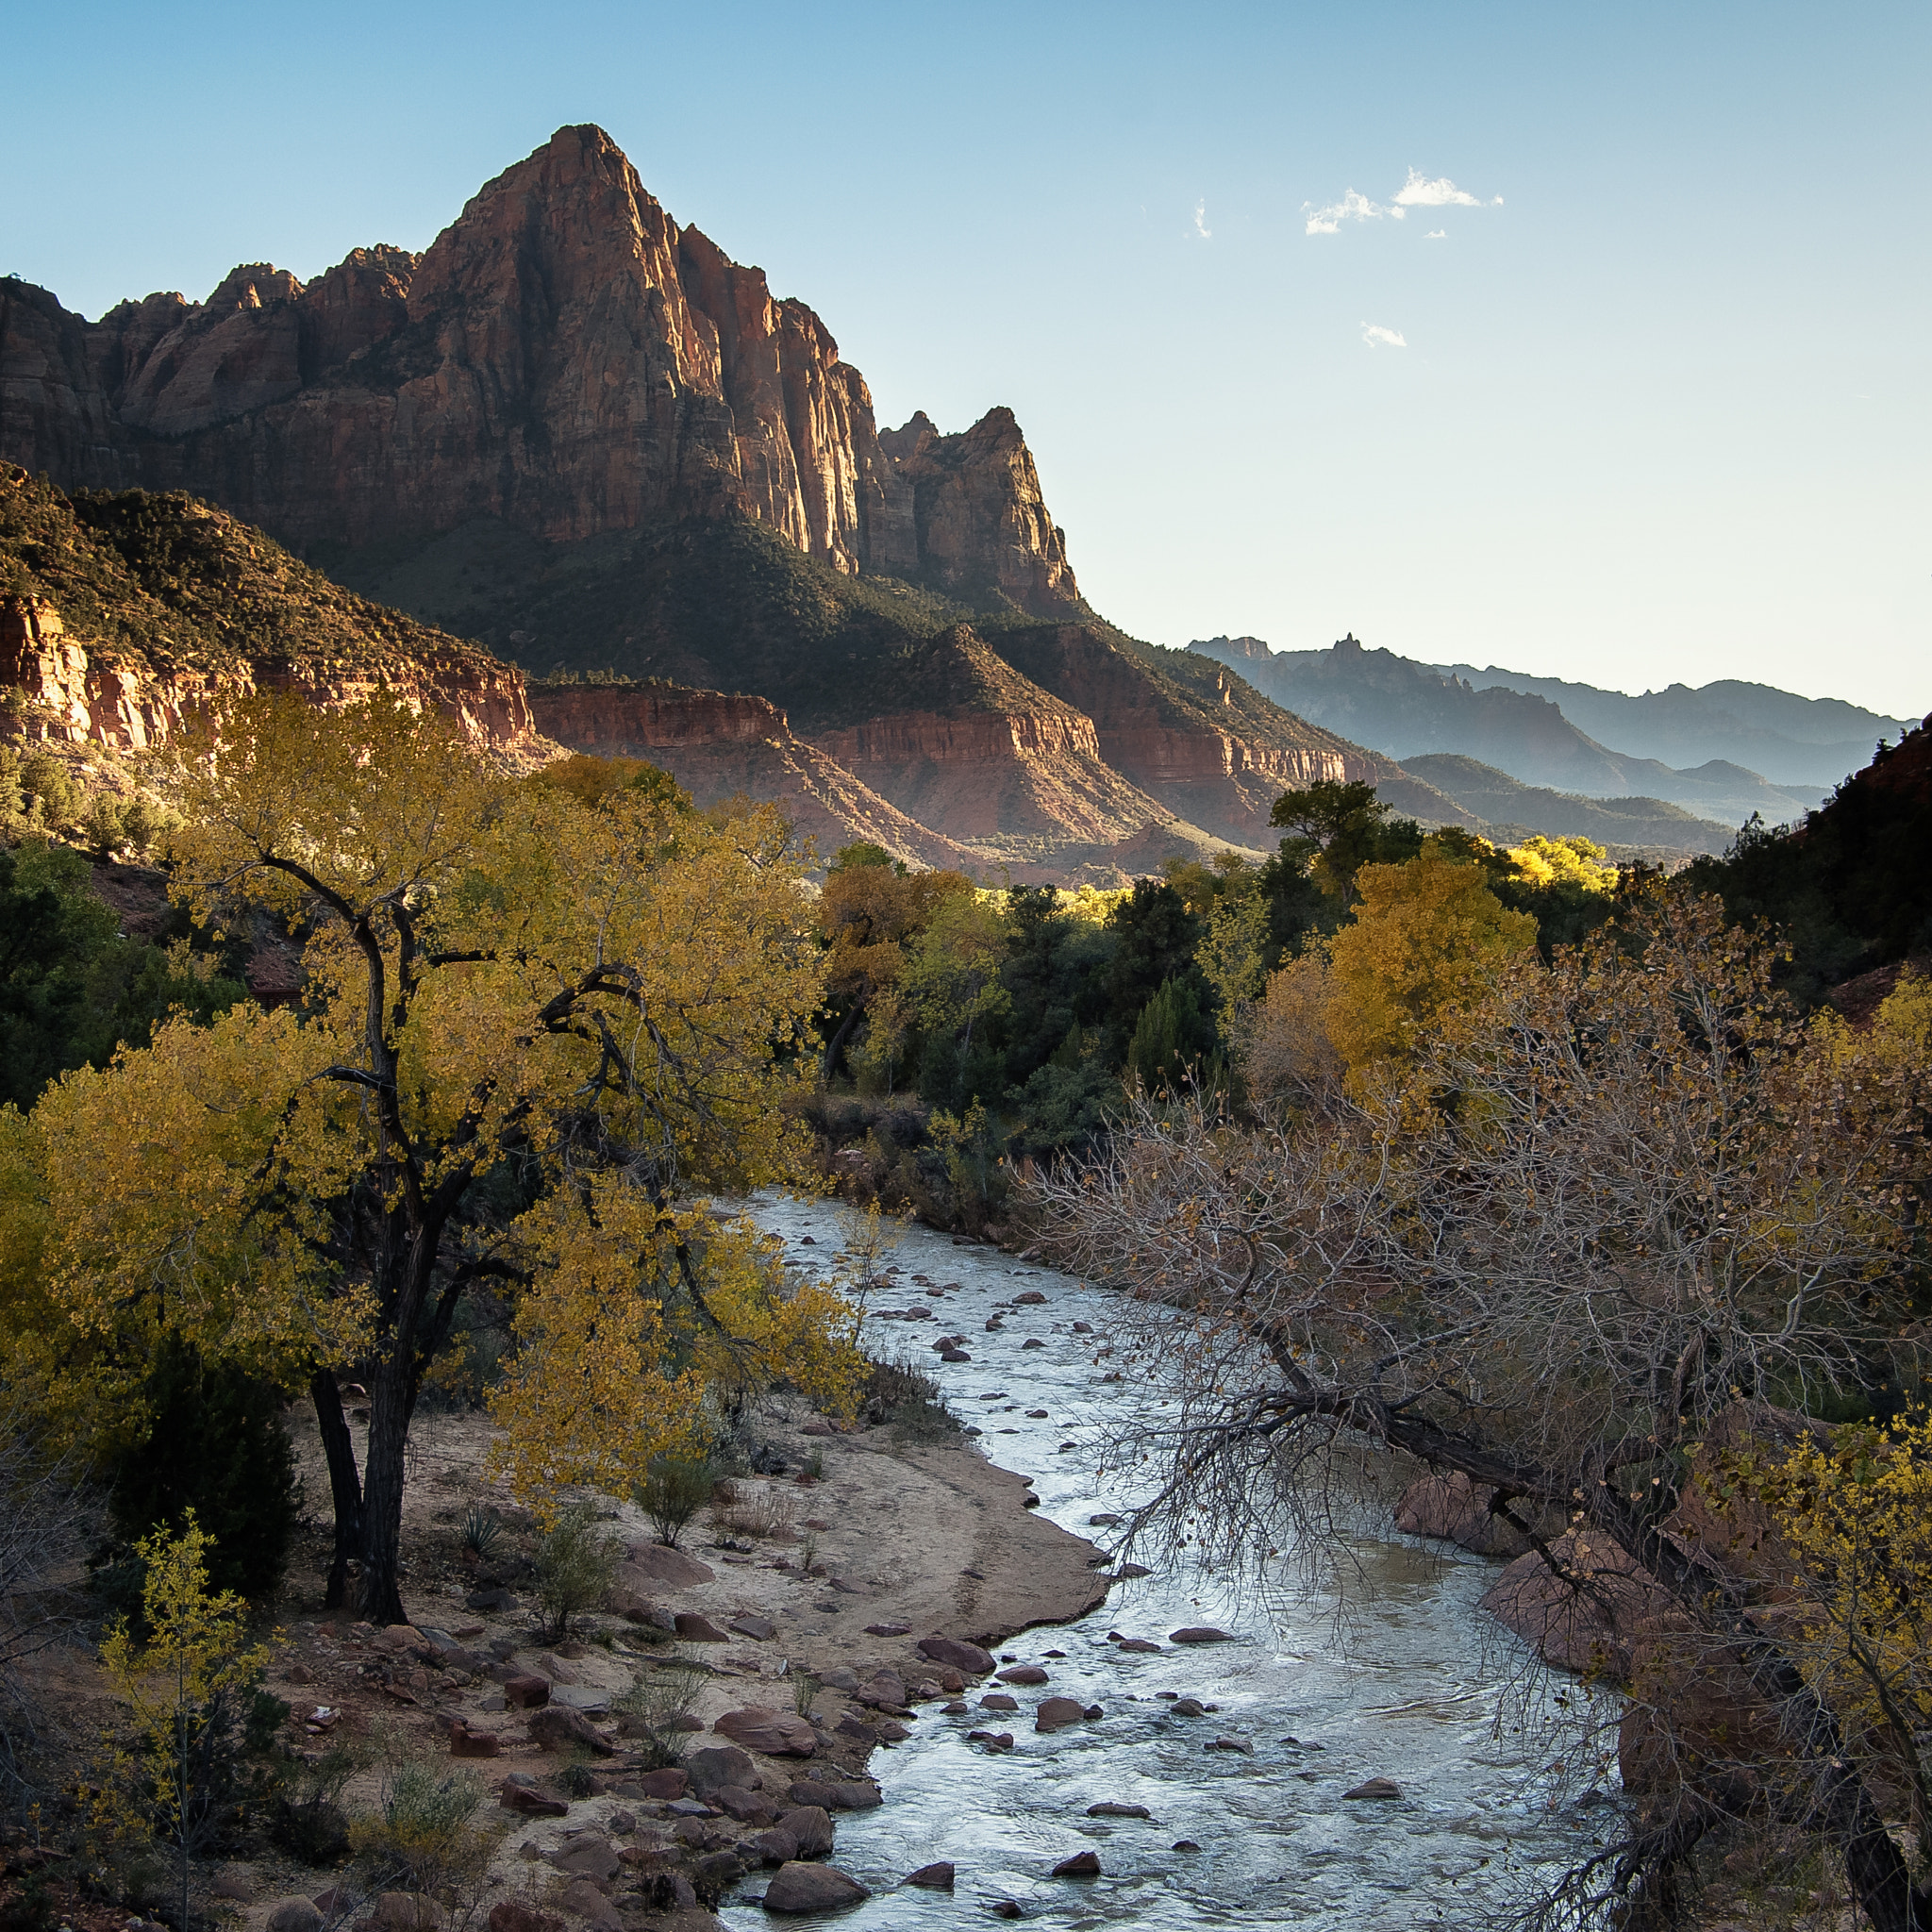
[(834, 1574)]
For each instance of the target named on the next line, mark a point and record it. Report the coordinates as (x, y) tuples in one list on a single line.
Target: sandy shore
[(932, 1537)]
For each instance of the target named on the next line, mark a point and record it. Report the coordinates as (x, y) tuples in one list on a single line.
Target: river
[(1404, 1687)]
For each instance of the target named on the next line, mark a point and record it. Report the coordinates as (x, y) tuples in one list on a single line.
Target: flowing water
[(1403, 1687)]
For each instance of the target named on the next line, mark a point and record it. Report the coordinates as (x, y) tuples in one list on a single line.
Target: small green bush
[(674, 1489), (576, 1564)]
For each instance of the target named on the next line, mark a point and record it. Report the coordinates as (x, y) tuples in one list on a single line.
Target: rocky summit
[(566, 361)]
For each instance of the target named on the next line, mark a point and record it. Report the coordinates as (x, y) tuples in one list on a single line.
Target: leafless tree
[(45, 1515), (1587, 1220)]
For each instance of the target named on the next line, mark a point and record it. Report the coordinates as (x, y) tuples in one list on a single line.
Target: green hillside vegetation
[(180, 584), (1851, 884), (1509, 808)]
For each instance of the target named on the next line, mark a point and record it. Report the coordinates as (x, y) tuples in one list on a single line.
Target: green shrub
[(674, 1489), (576, 1563)]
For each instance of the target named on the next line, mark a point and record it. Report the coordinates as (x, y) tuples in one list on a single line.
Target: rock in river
[(802, 1888)]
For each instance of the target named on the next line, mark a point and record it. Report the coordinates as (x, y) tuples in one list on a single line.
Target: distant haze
[(1590, 341)]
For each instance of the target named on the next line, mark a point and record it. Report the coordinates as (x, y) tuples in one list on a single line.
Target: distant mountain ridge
[(1531, 727), (1809, 743)]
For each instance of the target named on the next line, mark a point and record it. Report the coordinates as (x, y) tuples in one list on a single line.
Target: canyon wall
[(565, 358), (717, 744), (61, 690)]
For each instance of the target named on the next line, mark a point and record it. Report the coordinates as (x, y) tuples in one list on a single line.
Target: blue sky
[(1664, 411)]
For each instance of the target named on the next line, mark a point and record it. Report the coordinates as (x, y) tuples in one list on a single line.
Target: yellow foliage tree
[(171, 1778), (1425, 939), (1855, 1518), (545, 1020)]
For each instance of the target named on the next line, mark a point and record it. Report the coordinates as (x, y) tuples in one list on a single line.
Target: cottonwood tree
[(1547, 1251), (540, 1024)]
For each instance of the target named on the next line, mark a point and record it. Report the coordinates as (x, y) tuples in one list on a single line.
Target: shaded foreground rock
[(801, 1888), (776, 1733), (934, 1877)]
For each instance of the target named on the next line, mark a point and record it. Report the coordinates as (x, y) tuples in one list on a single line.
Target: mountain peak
[(564, 360)]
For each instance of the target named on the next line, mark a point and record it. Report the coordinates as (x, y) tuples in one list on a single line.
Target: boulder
[(993, 1740), (694, 1628), (649, 1566), (1141, 1645), (1113, 1811), (294, 1915), (526, 1690), (530, 1804), (1187, 1706), (1375, 1788), (589, 1857), (1200, 1633), (883, 1687), (845, 1794), (554, 1729), (583, 1898), (509, 1915), (1022, 1673), (747, 1807), (839, 1679), (408, 1911), (802, 1888), (775, 1846), (1240, 1744), (720, 1764), (958, 1653), (998, 1700), (934, 1877), (1457, 1510), (776, 1733), (1032, 1298), (464, 1743), (1082, 1865), (1589, 1617), (1056, 1713), (759, 1629), (888, 1629), (671, 1782), (809, 1826)]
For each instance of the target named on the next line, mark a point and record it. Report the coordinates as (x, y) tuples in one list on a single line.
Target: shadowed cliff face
[(565, 359), (124, 617)]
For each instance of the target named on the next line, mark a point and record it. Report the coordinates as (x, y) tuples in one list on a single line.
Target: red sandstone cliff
[(717, 744), (166, 608), (565, 357)]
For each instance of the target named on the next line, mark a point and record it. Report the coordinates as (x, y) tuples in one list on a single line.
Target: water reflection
[(1404, 1691)]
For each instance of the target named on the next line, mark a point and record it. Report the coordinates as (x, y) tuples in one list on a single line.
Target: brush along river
[(1405, 1685)]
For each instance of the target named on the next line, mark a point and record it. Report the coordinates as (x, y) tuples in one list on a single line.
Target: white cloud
[(1351, 208), (1442, 192), (1380, 338), (1414, 193), (1437, 235), (1201, 227)]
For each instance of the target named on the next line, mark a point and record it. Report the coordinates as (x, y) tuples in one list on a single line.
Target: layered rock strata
[(564, 359), (717, 745)]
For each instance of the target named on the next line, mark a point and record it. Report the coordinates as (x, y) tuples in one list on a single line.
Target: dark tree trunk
[(345, 1485), (382, 1488)]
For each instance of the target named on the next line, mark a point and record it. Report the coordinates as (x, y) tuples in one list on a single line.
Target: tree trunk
[(345, 1485), (382, 1487)]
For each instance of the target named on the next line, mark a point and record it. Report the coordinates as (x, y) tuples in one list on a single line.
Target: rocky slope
[(124, 616), (565, 360), (717, 745)]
